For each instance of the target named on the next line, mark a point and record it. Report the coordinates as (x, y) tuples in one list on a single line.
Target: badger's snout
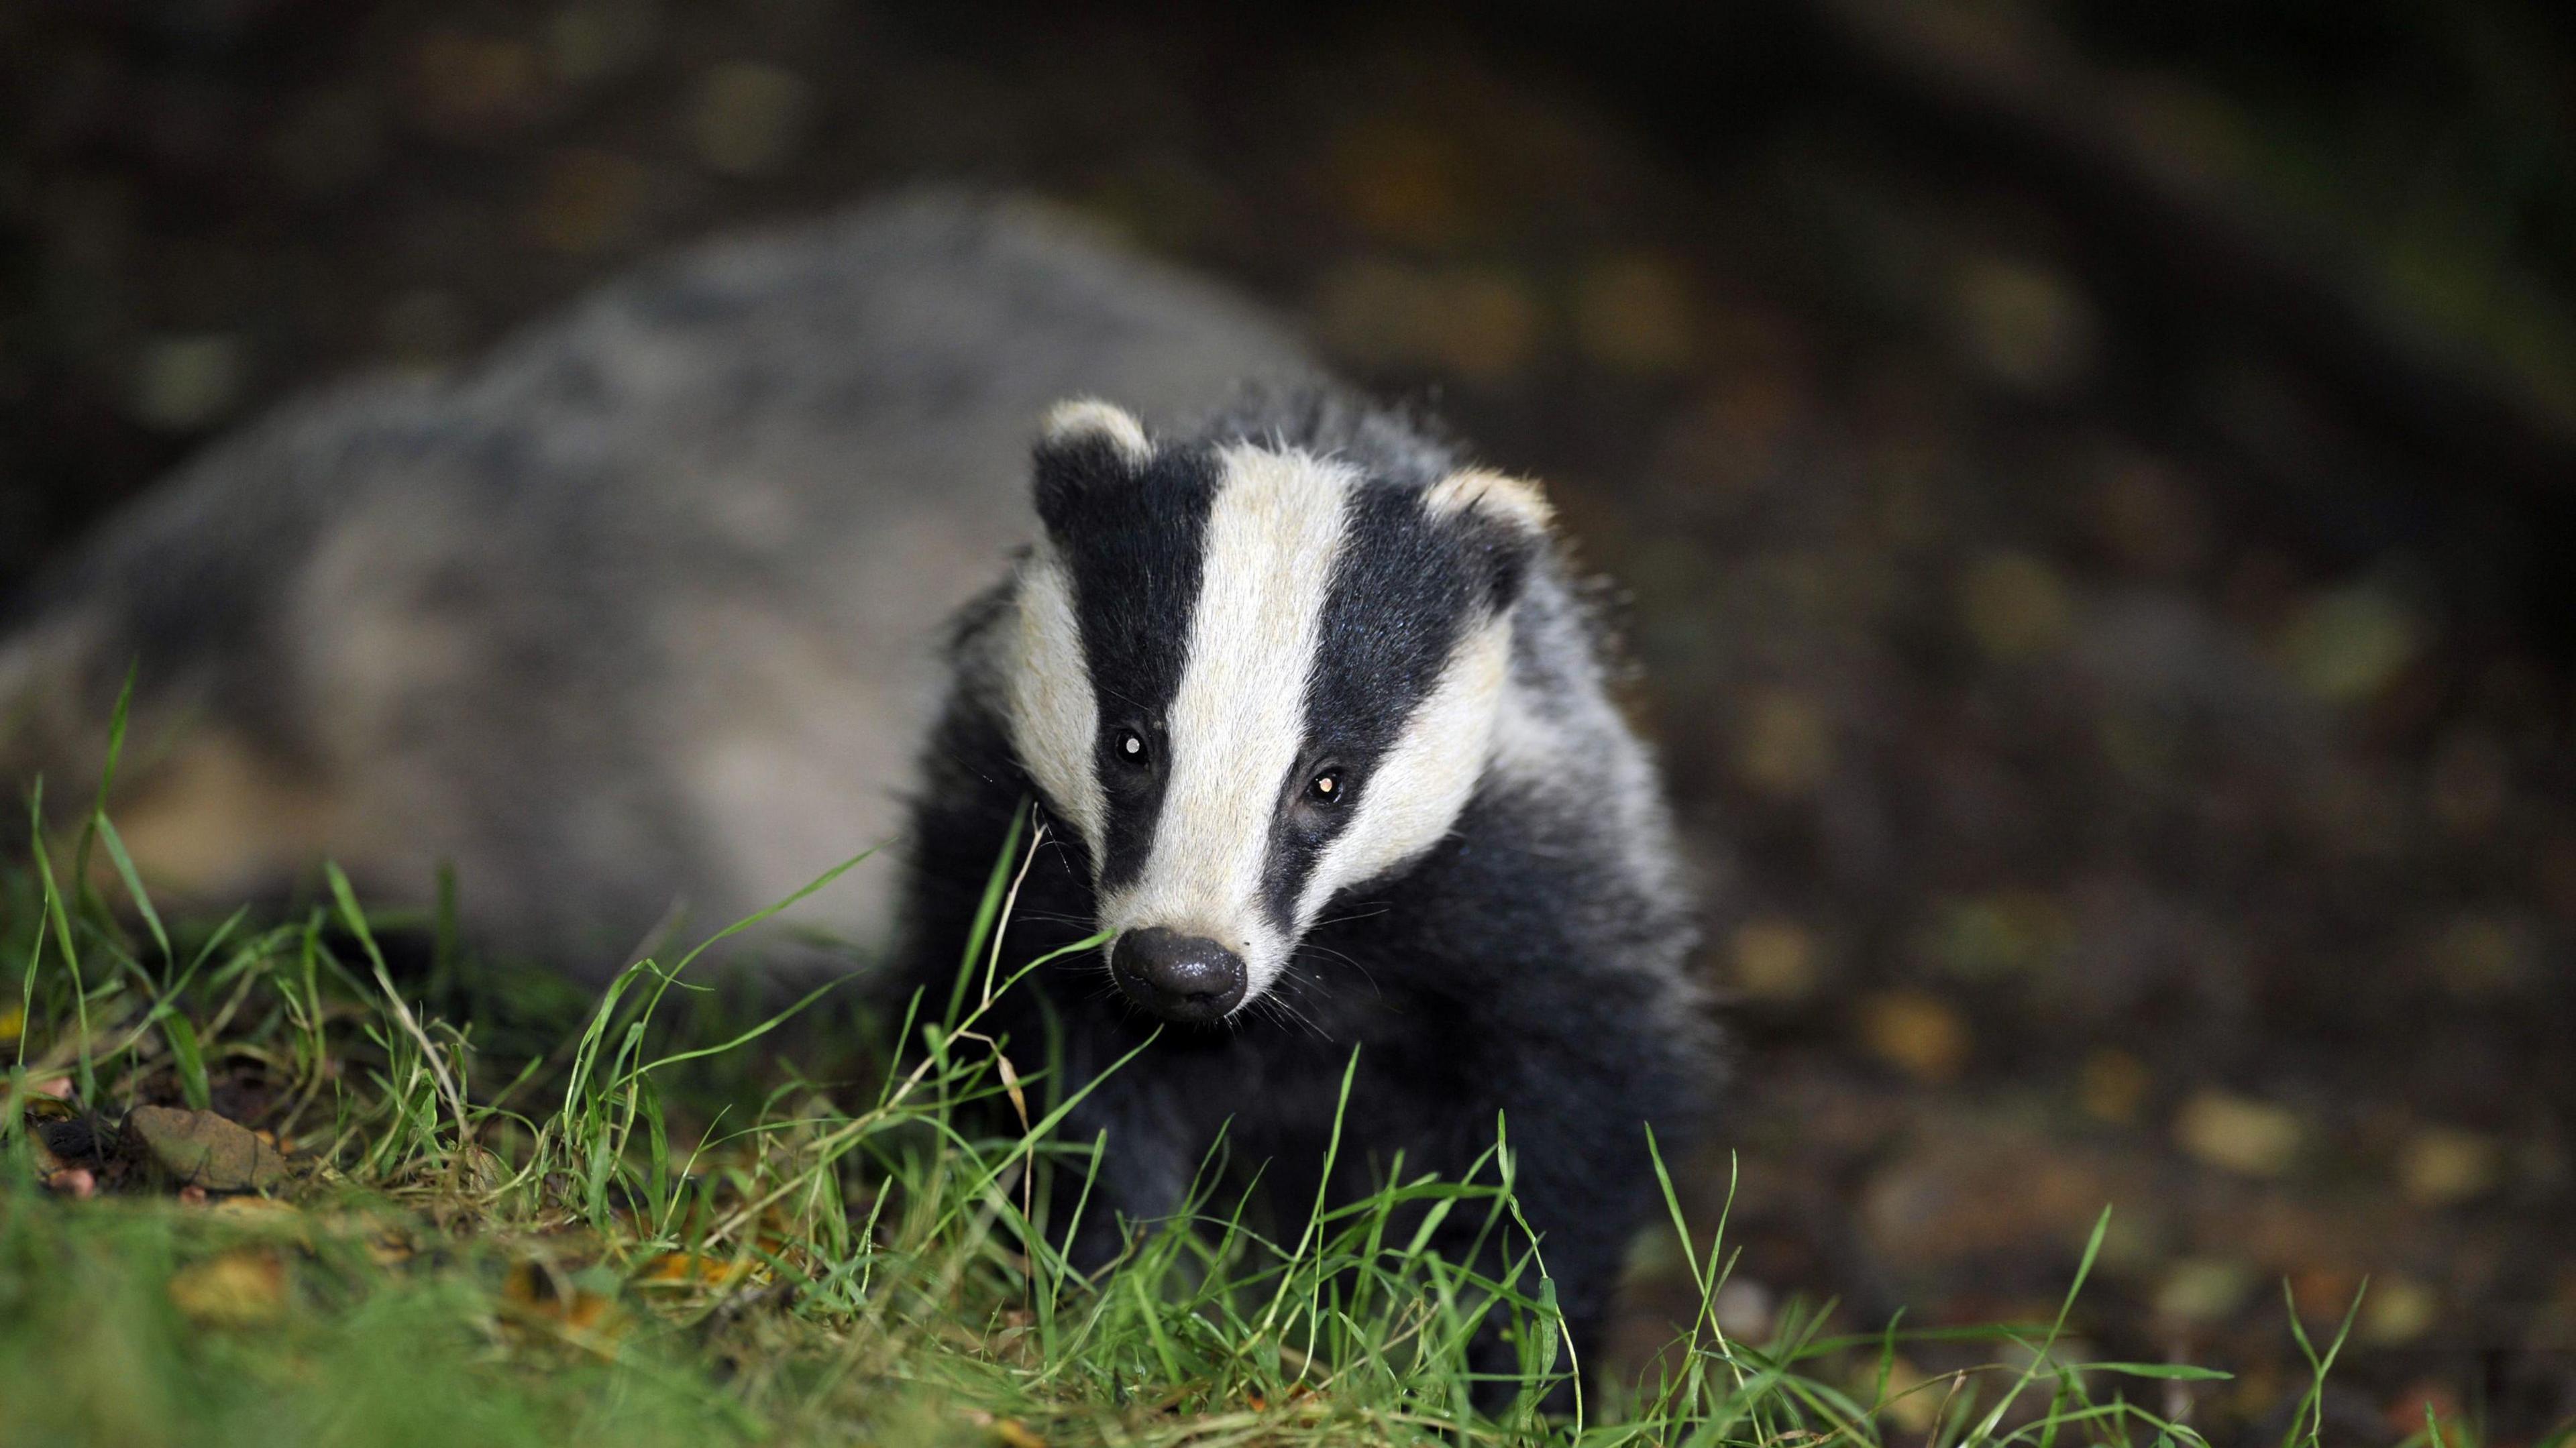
[(1187, 978)]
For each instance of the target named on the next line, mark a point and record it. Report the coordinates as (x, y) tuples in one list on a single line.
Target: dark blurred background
[(2093, 485)]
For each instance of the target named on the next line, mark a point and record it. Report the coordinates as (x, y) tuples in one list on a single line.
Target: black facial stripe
[(1404, 591), (1134, 547)]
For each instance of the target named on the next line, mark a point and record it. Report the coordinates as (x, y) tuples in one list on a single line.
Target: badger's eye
[(1130, 747), (1326, 788)]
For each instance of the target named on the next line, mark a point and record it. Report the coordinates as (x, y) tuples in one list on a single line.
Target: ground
[(2086, 539)]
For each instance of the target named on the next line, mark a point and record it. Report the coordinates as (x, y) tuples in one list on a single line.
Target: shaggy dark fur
[(1529, 968)]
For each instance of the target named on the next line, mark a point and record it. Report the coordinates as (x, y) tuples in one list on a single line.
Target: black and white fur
[(1484, 900)]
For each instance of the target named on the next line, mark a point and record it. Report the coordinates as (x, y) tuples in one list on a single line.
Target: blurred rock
[(2239, 1133), (1635, 314), (2443, 1166), (185, 383), (2025, 326), (2346, 645), (1774, 960), (2015, 606), (1917, 1032), (748, 118), (588, 201)]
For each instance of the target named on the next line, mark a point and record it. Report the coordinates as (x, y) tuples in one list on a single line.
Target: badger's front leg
[(1574, 1085), (1149, 1153)]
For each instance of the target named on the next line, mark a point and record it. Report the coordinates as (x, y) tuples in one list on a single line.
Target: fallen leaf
[(692, 1269), (1917, 1032), (2443, 1166), (2203, 1290), (2398, 1310), (199, 1148), (2239, 1133), (1016, 1433), (537, 1294), (241, 1288)]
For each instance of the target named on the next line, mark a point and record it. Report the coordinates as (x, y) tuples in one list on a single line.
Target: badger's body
[(1316, 725), (642, 614)]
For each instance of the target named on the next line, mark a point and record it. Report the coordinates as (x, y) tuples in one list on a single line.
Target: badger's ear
[(1507, 518), (1085, 444)]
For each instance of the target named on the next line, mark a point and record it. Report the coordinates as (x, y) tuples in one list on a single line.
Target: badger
[(644, 616), (1320, 731)]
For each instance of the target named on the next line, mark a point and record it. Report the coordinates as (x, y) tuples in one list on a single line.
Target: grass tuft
[(678, 1213)]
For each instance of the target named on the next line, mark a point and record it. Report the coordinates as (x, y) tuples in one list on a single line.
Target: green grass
[(659, 1215)]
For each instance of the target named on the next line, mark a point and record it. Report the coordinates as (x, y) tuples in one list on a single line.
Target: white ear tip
[(1496, 495), (1089, 417)]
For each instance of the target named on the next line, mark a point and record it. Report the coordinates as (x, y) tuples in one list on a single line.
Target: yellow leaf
[(242, 1288)]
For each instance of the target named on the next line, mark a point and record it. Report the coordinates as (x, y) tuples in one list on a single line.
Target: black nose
[(1177, 977)]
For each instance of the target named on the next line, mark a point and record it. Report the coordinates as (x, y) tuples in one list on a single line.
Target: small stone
[(2239, 1133), (1775, 960), (748, 117), (76, 1182), (1744, 1308), (1916, 1032), (2443, 1166), (199, 1148), (188, 382)]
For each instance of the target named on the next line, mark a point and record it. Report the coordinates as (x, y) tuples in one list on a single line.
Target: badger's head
[(1251, 678)]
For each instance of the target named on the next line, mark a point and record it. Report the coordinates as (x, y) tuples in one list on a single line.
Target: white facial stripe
[(1239, 716), (1415, 794), (1054, 720)]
